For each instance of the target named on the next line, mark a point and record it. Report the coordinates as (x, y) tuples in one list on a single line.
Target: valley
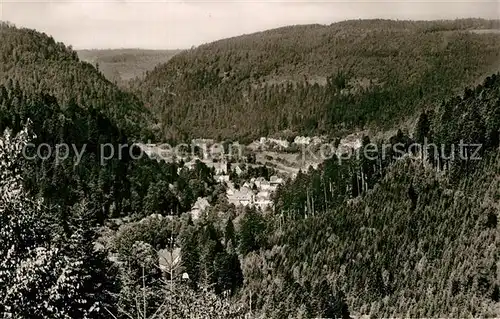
[(122, 65), (300, 172)]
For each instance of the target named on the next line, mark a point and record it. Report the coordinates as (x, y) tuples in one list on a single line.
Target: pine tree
[(252, 228), (422, 128), (229, 274), (229, 234), (86, 279), (190, 254)]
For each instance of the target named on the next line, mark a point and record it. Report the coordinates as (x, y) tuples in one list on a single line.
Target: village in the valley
[(249, 174), (229, 170), (231, 163)]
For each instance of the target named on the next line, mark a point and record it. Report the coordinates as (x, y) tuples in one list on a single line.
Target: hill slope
[(317, 79), (35, 63), (422, 242), (121, 65)]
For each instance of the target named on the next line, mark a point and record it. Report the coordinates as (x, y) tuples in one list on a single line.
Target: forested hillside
[(35, 63), (421, 239), (318, 79), (121, 65), (409, 232), (413, 247), (52, 207)]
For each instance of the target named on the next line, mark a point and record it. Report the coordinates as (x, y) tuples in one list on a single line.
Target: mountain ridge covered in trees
[(35, 63), (317, 79)]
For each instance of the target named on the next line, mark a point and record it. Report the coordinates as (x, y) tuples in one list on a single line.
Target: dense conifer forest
[(32, 62), (412, 233), (317, 79)]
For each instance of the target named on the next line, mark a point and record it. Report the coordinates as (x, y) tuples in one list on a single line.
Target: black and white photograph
[(249, 159)]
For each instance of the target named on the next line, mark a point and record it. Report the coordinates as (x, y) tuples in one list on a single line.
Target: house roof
[(244, 194), (263, 194), (276, 180), (169, 259), (201, 204)]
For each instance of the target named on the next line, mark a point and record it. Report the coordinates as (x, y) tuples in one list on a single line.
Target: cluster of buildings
[(256, 192), (221, 168), (307, 140), (270, 143), (266, 142)]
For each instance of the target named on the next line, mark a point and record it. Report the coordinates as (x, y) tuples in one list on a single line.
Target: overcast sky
[(168, 24)]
